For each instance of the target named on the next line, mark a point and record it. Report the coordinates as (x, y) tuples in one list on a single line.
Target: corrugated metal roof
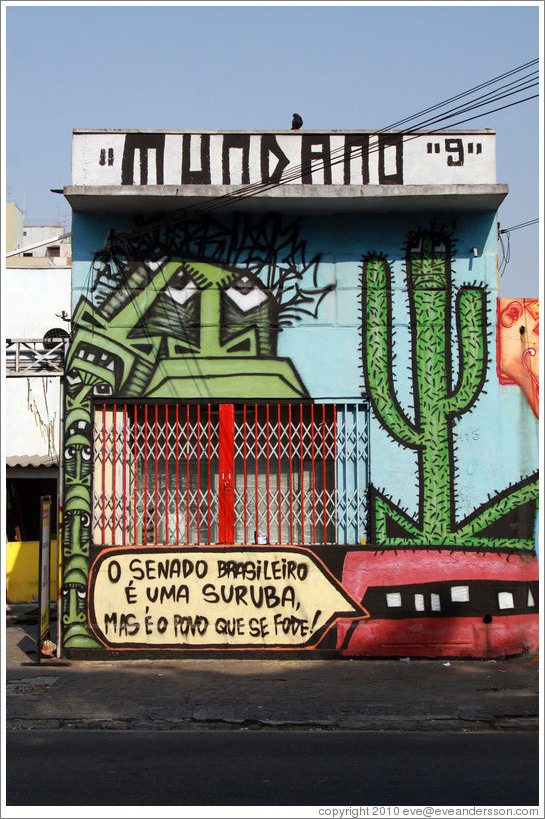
[(32, 460)]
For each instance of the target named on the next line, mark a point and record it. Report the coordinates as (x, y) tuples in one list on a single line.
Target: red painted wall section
[(485, 632)]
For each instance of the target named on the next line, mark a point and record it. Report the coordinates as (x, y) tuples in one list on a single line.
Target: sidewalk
[(364, 695)]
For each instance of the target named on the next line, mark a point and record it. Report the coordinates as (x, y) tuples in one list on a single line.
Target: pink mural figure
[(517, 346)]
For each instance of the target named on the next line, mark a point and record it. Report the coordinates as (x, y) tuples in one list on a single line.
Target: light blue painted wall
[(496, 443)]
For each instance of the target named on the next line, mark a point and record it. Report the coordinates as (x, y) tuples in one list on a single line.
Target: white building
[(36, 291)]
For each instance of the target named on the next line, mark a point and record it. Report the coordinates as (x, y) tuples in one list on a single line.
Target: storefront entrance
[(194, 474)]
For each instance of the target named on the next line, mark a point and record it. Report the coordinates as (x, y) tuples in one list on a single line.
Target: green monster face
[(427, 263), (74, 593), (212, 312)]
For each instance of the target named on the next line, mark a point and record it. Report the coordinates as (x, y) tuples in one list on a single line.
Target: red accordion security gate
[(189, 474)]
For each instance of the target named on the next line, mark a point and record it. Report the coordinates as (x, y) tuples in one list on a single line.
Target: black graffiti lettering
[(308, 155), (240, 141), (162, 593), (136, 569), (149, 623), (455, 146), (232, 626), (110, 620), (114, 571), (268, 596), (142, 143), (162, 625), (196, 177), (283, 569), (201, 569), (156, 569), (269, 145), (183, 625), (290, 625), (359, 146), (128, 624), (169, 568), (227, 567), (210, 594), (390, 141), (258, 627), (130, 593), (302, 571)]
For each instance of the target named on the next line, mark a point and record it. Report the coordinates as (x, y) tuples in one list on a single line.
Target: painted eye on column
[(86, 453), (81, 594), (246, 294), (181, 287)]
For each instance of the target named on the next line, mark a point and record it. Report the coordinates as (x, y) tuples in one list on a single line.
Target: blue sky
[(249, 66)]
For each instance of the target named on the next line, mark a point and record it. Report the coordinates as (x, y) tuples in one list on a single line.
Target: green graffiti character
[(437, 400)]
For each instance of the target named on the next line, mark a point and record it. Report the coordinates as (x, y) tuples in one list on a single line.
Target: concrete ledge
[(298, 198)]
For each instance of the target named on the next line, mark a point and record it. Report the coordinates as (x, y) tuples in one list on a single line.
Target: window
[(53, 251), (505, 600), (230, 473), (435, 602), (459, 594), (419, 602)]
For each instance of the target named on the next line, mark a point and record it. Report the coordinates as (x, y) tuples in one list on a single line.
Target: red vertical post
[(313, 475), (156, 482), (187, 476), (268, 480), (279, 425), (177, 474), (244, 459), (335, 469), (256, 474), (124, 474), (324, 471), (145, 473), (198, 473), (114, 436), (166, 473), (135, 469), (302, 475), (291, 475), (226, 523), (103, 472), (209, 468)]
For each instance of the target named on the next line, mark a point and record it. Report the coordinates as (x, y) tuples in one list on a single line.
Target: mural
[(440, 397), (176, 325), (517, 347), (193, 311)]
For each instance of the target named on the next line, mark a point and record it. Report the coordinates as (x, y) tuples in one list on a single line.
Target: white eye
[(246, 294), (81, 594), (181, 287), (86, 453)]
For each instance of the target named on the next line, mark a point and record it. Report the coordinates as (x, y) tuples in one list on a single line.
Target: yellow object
[(22, 570)]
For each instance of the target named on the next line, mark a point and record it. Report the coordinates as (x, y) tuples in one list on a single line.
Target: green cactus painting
[(438, 400)]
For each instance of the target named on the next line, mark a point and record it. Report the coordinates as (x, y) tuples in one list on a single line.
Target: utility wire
[(522, 224), (338, 155)]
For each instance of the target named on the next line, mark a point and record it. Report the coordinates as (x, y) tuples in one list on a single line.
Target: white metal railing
[(30, 356)]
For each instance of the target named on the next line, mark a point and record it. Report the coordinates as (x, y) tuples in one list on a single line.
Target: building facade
[(296, 420), (37, 294)]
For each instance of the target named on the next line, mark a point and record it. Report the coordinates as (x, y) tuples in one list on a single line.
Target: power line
[(338, 155), (522, 224)]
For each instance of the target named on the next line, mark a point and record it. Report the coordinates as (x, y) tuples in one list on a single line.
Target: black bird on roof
[(296, 122)]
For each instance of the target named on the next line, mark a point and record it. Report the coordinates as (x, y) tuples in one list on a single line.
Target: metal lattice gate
[(230, 473)]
